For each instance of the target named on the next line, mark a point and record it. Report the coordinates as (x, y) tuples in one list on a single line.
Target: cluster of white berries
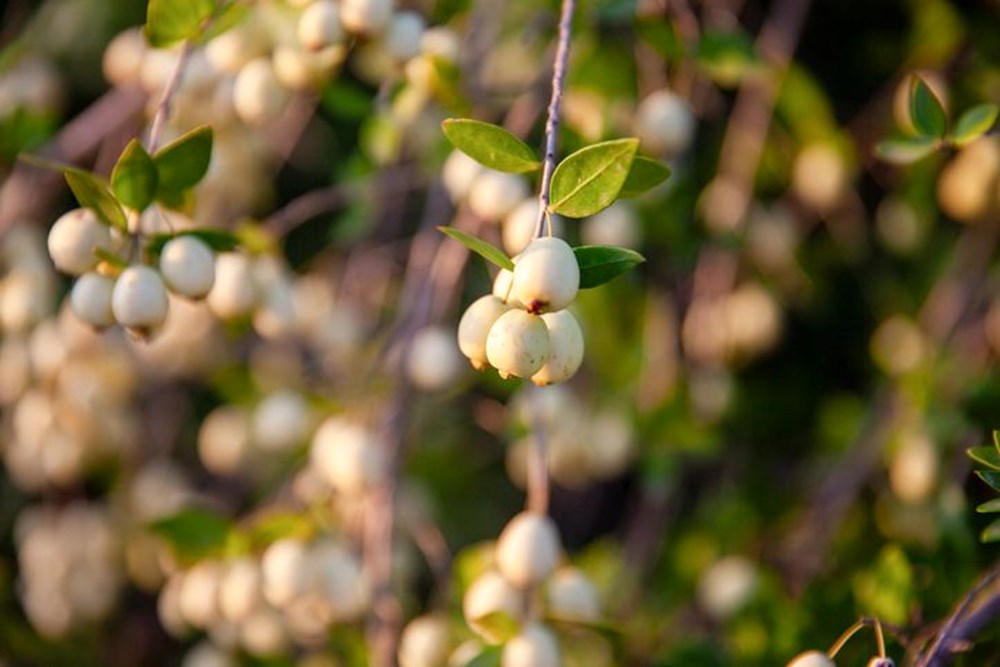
[(293, 592), (523, 328)]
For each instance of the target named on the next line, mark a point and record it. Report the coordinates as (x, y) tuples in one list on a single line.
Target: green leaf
[(991, 533), (217, 239), (490, 657), (660, 36), (110, 258), (172, 21), (989, 507), (905, 150), (92, 192), (926, 110), (974, 123), (726, 55), (490, 145), (644, 175), (600, 264), (182, 163), (497, 626), (991, 477), (487, 251), (133, 180), (987, 456), (590, 179), (226, 17), (194, 533), (274, 526)]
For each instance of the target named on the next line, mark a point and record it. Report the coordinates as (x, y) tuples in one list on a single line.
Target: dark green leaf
[(600, 264), (217, 239), (490, 145), (590, 179), (110, 258), (660, 36), (989, 507), (490, 657), (184, 161), (991, 477), (497, 626), (644, 175), (905, 150), (487, 251), (926, 111), (172, 21), (974, 123), (726, 55), (226, 17), (93, 193), (193, 533), (133, 179), (987, 456), (991, 533)]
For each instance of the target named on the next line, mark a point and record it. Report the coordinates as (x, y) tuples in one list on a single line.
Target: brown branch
[(974, 611)]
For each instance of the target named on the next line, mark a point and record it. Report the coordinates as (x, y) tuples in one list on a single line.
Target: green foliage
[(194, 533), (134, 178), (726, 55), (490, 145), (217, 239), (644, 175), (989, 458), (489, 657), (484, 249), (589, 180), (601, 264), (974, 123), (93, 192), (926, 111), (182, 163), (905, 150), (172, 21)]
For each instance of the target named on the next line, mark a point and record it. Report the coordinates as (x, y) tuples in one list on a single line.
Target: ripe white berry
[(812, 658), (494, 194), (91, 300), (503, 288), (425, 642), (570, 595), (257, 95), (73, 239), (433, 361), (664, 123), (475, 325), (565, 349), (139, 300), (281, 421), (197, 596), (366, 17), (346, 455), (188, 266), (459, 173), (402, 36), (528, 549), (223, 440), (122, 60), (488, 594), (338, 577), (284, 571), (534, 646), (617, 225), (234, 293), (819, 176), (240, 589), (517, 344), (546, 276), (319, 26), (727, 586), (518, 228)]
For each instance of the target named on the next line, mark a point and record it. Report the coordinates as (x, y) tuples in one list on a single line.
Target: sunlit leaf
[(991, 533), (905, 150), (490, 657), (644, 175), (93, 193), (134, 178), (989, 507), (486, 250), (172, 21), (226, 17), (193, 533), (600, 264), (497, 626), (490, 145), (590, 179), (987, 456), (974, 123), (182, 163), (926, 110)]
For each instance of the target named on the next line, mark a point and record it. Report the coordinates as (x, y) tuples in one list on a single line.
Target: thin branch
[(965, 621), (169, 90), (555, 106)]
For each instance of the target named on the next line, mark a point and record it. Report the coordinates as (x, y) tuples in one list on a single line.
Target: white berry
[(74, 238), (257, 95), (319, 26), (517, 344), (546, 276), (139, 300), (528, 549), (365, 16), (402, 36), (346, 455), (664, 123), (565, 349), (188, 266), (812, 659), (425, 642), (494, 194), (535, 646), (475, 325), (91, 300), (234, 293), (489, 594), (570, 595)]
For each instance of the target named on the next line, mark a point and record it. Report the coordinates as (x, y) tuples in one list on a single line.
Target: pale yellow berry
[(494, 194), (488, 595), (402, 36), (74, 239), (475, 325), (503, 288), (366, 17), (234, 293), (534, 646), (812, 659), (425, 642), (664, 123), (546, 276), (346, 455), (459, 173), (565, 349), (258, 97), (517, 344), (433, 361), (570, 595), (528, 549), (319, 26)]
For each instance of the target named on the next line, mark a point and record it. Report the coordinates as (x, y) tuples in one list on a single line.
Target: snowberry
[(73, 239), (528, 549), (91, 300), (425, 642), (139, 300), (664, 123), (346, 455), (503, 288), (876, 661), (257, 95), (281, 421), (233, 293), (565, 349), (570, 595), (223, 439), (534, 646), (319, 26), (122, 60), (338, 576), (518, 228), (284, 571), (812, 658), (494, 194), (433, 361), (617, 225), (402, 36), (488, 594), (819, 176), (727, 585), (546, 276), (475, 325), (197, 595), (366, 17), (459, 173), (188, 266), (239, 590), (517, 344)]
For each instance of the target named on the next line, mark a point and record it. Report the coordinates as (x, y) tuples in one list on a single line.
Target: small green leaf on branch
[(490, 145), (590, 179), (193, 533), (600, 264), (991, 533), (906, 150), (644, 175), (486, 250), (172, 21), (987, 456), (182, 163), (93, 193), (974, 123), (134, 178), (217, 239), (989, 507), (926, 110), (489, 657), (991, 477)]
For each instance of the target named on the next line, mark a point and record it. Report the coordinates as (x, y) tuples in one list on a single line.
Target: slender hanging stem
[(169, 90), (555, 105)]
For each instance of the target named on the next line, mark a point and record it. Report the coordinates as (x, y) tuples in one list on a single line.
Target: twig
[(169, 90), (555, 105), (965, 621)]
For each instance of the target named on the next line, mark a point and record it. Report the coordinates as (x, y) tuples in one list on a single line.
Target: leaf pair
[(138, 178), (598, 264), (583, 184), (989, 457), (932, 128)]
